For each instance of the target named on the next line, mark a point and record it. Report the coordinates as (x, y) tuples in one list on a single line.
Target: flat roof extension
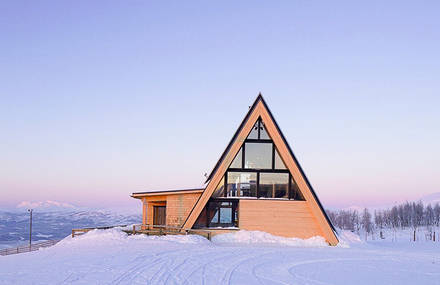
[(166, 192)]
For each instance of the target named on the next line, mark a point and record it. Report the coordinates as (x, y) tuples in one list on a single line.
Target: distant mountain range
[(47, 206), (49, 223)]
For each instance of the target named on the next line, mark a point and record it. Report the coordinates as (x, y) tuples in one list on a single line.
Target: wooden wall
[(151, 202), (179, 206), (283, 218)]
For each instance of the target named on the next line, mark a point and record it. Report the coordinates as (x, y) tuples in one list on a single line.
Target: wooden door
[(159, 215)]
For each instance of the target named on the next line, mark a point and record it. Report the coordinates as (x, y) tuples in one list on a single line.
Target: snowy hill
[(112, 257)]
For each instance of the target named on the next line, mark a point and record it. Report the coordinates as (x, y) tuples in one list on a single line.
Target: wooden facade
[(248, 205), (282, 218), (177, 205)]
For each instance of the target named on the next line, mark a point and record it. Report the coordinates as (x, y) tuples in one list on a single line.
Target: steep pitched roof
[(259, 109)]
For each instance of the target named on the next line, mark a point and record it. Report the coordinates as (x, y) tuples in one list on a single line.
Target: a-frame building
[(257, 184)]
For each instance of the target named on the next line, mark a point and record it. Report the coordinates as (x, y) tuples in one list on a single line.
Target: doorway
[(159, 215)]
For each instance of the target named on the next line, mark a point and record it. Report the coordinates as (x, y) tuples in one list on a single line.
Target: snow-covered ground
[(112, 257)]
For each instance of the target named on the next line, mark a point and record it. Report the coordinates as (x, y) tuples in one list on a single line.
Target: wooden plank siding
[(282, 218), (179, 206), (288, 160)]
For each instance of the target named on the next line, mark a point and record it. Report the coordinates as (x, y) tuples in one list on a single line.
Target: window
[(237, 162), (258, 131), (279, 164), (256, 171), (220, 190), (295, 193), (258, 155), (263, 133), (254, 131), (274, 185), (218, 213), (242, 184)]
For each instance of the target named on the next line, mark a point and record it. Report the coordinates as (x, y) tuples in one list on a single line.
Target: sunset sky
[(100, 99)]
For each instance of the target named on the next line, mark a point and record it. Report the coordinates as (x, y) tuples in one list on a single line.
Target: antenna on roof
[(206, 175)]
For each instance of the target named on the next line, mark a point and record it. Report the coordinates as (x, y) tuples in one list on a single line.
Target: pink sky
[(99, 101)]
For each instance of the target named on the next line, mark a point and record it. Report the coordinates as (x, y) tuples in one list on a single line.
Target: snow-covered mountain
[(51, 224), (46, 206)]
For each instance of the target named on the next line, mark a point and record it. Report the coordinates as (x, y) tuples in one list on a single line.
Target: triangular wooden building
[(257, 184)]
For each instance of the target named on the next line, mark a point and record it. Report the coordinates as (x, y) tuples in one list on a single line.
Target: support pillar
[(144, 214)]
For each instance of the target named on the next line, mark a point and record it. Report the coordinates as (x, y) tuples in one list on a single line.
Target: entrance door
[(159, 215)]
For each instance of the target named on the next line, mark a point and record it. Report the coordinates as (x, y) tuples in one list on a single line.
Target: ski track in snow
[(96, 259)]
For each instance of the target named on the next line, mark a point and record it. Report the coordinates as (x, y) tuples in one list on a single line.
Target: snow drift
[(261, 238), (116, 236)]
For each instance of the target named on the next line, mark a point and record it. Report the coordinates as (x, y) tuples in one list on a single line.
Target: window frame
[(234, 213), (258, 171)]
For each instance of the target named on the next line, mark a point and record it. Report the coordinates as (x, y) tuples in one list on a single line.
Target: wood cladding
[(282, 218), (178, 207)]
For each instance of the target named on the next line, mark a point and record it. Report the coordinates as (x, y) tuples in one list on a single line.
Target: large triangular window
[(257, 171)]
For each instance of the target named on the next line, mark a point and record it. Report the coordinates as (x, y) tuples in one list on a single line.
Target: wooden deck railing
[(166, 230), (157, 230), (28, 248)]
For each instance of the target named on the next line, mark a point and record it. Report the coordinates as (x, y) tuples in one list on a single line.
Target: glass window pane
[(254, 132), (274, 185), (220, 190), (258, 155), (214, 219), (279, 164), (263, 133), (295, 193), (225, 215), (218, 213), (242, 184), (236, 163)]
